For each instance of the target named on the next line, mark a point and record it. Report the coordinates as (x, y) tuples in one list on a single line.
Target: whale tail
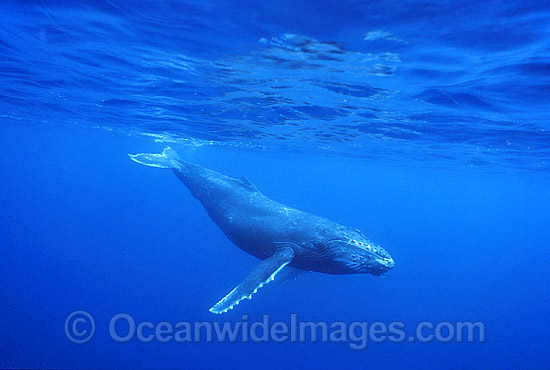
[(167, 159)]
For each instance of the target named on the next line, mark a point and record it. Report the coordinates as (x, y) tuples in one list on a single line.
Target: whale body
[(276, 234)]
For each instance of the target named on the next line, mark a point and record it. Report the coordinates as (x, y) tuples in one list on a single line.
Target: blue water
[(424, 124)]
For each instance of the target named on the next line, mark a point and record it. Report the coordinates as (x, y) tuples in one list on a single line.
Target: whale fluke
[(168, 159)]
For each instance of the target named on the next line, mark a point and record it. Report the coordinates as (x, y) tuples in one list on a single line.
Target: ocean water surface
[(425, 124)]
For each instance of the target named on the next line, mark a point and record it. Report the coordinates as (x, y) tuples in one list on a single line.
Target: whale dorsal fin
[(261, 275), (248, 184)]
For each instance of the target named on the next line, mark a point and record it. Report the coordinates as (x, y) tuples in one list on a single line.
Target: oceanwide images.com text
[(80, 328)]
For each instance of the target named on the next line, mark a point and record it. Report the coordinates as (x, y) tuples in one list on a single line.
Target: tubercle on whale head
[(352, 253)]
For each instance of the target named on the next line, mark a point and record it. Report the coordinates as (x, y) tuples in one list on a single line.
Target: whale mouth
[(359, 256), (388, 263), (382, 266), (375, 251)]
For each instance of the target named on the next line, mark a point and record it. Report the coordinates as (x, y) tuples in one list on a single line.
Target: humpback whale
[(274, 233)]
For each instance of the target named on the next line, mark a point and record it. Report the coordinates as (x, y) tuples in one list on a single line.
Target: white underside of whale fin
[(167, 159), (264, 273)]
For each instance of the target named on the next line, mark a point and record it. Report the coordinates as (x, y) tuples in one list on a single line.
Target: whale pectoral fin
[(288, 274), (261, 275)]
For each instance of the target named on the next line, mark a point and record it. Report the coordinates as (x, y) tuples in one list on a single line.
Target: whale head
[(351, 252)]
